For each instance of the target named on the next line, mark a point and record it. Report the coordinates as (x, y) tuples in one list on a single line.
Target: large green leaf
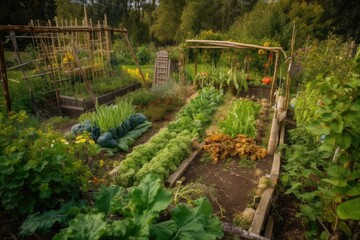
[(318, 128), (195, 223), (104, 199), (349, 209), (147, 201), (84, 227), (149, 198)]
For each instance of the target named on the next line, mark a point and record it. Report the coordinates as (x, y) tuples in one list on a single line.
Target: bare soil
[(235, 185)]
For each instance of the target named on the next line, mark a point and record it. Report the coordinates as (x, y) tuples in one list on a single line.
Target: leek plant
[(109, 117)]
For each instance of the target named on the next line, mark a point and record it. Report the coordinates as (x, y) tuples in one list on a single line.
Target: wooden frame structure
[(63, 51), (216, 44)]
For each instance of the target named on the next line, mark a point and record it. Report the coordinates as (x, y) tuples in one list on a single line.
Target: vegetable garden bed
[(74, 107)]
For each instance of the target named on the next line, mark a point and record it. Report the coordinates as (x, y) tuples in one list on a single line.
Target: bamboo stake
[(275, 127), (83, 75), (107, 38), (4, 78), (274, 78), (18, 58), (288, 78), (195, 64), (134, 57), (52, 75)]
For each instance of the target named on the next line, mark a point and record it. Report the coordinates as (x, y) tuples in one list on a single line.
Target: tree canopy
[(172, 21)]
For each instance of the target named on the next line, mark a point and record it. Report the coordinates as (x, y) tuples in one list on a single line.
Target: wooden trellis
[(215, 44), (65, 52)]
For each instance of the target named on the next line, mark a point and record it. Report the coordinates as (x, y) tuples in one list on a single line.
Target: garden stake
[(4, 78)]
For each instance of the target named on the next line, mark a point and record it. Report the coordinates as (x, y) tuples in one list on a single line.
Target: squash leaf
[(349, 209)]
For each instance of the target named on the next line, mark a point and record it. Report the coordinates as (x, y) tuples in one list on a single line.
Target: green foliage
[(326, 58), (143, 55), (190, 223), (197, 114), (44, 223), (275, 21), (161, 147), (240, 119), (322, 163), (167, 19), (169, 158), (349, 209), (38, 169), (140, 208), (110, 117), (222, 78)]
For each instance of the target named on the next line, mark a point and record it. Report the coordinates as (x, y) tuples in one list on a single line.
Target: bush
[(143, 55), (38, 170)]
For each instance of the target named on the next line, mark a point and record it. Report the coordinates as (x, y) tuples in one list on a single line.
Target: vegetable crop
[(240, 119), (221, 146)]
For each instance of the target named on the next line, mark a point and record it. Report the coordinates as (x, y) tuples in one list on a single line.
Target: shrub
[(143, 55), (38, 170)]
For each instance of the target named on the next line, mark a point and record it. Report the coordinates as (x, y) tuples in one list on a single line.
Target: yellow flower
[(82, 140), (77, 141), (63, 140), (79, 137), (266, 44), (101, 163), (91, 141)]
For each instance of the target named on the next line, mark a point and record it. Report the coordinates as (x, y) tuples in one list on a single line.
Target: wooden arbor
[(215, 44), (58, 51)]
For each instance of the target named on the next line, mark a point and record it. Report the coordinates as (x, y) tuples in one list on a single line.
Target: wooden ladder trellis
[(162, 67)]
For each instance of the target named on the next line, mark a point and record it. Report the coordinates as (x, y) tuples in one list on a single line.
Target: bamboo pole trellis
[(88, 47)]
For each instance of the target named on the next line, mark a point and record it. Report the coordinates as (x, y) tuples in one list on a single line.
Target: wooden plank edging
[(265, 202), (182, 167)]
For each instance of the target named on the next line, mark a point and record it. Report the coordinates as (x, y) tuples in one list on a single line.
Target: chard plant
[(133, 213), (240, 119)]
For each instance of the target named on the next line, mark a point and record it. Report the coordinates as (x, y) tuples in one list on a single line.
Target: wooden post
[(83, 75), (271, 100), (134, 57), (275, 127), (52, 75), (288, 78), (18, 58), (195, 64), (108, 39), (182, 67), (4, 78)]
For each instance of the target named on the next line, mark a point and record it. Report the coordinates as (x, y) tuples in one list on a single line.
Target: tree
[(67, 9), (167, 20)]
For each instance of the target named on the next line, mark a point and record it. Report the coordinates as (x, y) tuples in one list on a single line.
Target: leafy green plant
[(38, 169), (143, 55), (325, 154), (134, 213), (109, 117), (169, 158), (240, 119)]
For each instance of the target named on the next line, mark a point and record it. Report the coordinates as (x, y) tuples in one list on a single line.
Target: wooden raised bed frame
[(74, 107)]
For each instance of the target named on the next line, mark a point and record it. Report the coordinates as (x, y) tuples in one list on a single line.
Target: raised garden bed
[(74, 107), (259, 91)]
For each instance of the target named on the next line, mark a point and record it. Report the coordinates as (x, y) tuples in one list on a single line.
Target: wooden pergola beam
[(228, 44)]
